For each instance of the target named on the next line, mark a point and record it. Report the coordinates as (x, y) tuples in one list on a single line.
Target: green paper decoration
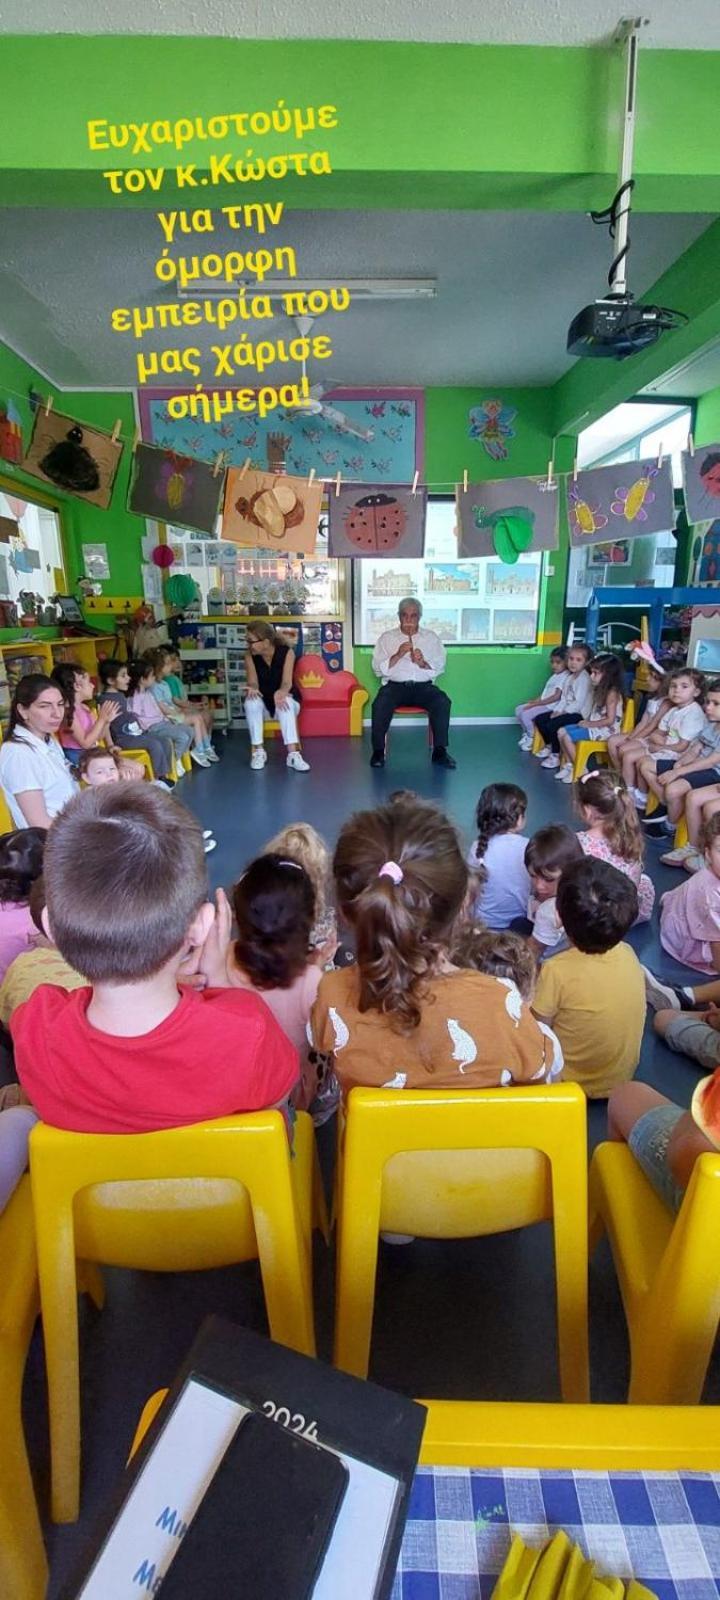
[(511, 530), (181, 591)]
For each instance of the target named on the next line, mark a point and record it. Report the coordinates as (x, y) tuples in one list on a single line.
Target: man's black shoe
[(377, 759), (442, 757)]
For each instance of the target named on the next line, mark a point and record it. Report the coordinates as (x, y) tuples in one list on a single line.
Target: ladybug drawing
[(375, 522)]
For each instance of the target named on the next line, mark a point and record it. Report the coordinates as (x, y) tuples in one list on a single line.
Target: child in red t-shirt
[(127, 907)]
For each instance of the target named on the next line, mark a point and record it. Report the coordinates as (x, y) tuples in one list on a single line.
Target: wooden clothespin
[(311, 477), (218, 463), (245, 467), (137, 438), (338, 481), (549, 480), (660, 455), (48, 405), (575, 470), (415, 483), (691, 444), (465, 478)]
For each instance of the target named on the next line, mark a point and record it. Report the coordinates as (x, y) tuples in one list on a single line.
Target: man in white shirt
[(407, 659)]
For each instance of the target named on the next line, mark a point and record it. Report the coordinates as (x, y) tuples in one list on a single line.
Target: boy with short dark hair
[(550, 850), (127, 907), (125, 730), (593, 995)]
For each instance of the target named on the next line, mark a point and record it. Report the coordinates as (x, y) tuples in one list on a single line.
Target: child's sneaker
[(666, 996), (542, 753), (525, 743), (199, 758), (639, 798), (678, 857), (297, 762), (551, 762), (695, 862), (564, 773), (209, 845), (210, 753), (258, 760)]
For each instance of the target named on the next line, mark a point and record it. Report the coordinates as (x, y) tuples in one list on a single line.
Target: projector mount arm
[(617, 214)]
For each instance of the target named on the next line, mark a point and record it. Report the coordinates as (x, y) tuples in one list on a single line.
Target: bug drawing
[(631, 501), (586, 518)]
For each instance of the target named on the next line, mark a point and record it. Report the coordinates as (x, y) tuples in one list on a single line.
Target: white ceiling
[(508, 285), (688, 25)]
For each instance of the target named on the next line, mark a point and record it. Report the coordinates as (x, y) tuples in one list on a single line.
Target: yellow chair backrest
[(448, 1164), (6, 822), (203, 1196), (23, 1567), (628, 721), (668, 1272)]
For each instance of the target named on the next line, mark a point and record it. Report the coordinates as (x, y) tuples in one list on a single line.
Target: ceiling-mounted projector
[(616, 326)]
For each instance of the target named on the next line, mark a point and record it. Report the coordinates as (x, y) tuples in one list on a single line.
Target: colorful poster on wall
[(623, 501), (701, 482), (71, 456), (11, 445), (377, 520), (95, 561), (175, 488), (706, 551), (331, 645), (380, 441), (268, 512), (491, 424), (507, 518)]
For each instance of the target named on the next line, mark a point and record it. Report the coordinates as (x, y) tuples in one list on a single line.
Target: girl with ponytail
[(498, 855), (613, 831), (405, 1016)]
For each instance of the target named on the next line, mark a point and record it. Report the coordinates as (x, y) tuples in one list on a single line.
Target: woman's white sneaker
[(297, 762), (257, 760)]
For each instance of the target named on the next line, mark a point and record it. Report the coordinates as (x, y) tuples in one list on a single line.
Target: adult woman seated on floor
[(34, 775), (271, 695)]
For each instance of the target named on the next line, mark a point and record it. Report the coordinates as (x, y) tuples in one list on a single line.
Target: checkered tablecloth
[(661, 1528)]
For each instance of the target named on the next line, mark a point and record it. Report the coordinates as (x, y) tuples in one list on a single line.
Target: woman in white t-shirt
[(498, 855), (670, 732), (34, 775)]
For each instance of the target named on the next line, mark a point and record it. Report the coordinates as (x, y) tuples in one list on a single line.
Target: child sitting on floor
[(657, 702), (302, 843), (500, 955), (130, 1052), (665, 1140), (151, 716), (527, 712), (549, 851), (572, 707), (670, 731), (613, 832), (690, 914), (593, 995), (405, 1016), (274, 907), (500, 849), (42, 964), (98, 767), (606, 712), (192, 717), (125, 730), (21, 863)]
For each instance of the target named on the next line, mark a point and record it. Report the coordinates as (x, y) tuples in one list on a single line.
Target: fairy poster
[(491, 424), (377, 520), (701, 482), (507, 518), (175, 488), (623, 501), (73, 457), (268, 511)]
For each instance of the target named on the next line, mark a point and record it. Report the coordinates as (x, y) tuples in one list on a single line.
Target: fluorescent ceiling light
[(358, 288)]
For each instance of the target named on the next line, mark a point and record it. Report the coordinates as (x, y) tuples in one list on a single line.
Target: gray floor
[(462, 1319)]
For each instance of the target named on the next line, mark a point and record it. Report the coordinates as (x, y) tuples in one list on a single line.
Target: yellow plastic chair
[(591, 747), (6, 822), (668, 1272), (681, 834), (204, 1196), (538, 743), (23, 1566), (455, 1164)]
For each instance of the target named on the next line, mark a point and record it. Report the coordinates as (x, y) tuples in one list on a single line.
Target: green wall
[(707, 417), (489, 682), (82, 523)]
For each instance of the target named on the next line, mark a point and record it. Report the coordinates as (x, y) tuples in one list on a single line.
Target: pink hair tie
[(392, 870)]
